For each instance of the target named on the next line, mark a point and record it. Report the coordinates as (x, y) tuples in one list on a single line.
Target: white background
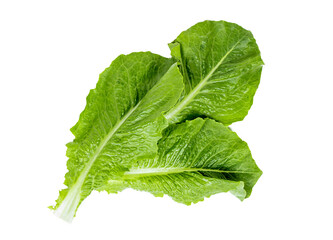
[(51, 53)]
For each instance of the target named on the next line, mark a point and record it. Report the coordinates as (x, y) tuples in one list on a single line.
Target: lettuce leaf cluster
[(160, 124)]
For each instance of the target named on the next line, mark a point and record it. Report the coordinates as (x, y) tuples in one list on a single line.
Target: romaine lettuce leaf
[(121, 124), (196, 159), (221, 65), (214, 73)]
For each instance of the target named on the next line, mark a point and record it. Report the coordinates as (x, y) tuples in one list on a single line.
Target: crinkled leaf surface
[(196, 159), (121, 124), (115, 144), (221, 65)]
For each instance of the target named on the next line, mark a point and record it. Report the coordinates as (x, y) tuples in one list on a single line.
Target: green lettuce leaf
[(214, 73), (121, 124), (196, 159), (221, 66)]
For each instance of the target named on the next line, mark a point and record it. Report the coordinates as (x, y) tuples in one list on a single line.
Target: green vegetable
[(121, 124), (196, 159), (141, 127), (221, 65)]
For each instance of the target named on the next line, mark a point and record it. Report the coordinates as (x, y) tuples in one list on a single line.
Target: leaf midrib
[(105, 140), (194, 92), (72, 199), (146, 172)]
